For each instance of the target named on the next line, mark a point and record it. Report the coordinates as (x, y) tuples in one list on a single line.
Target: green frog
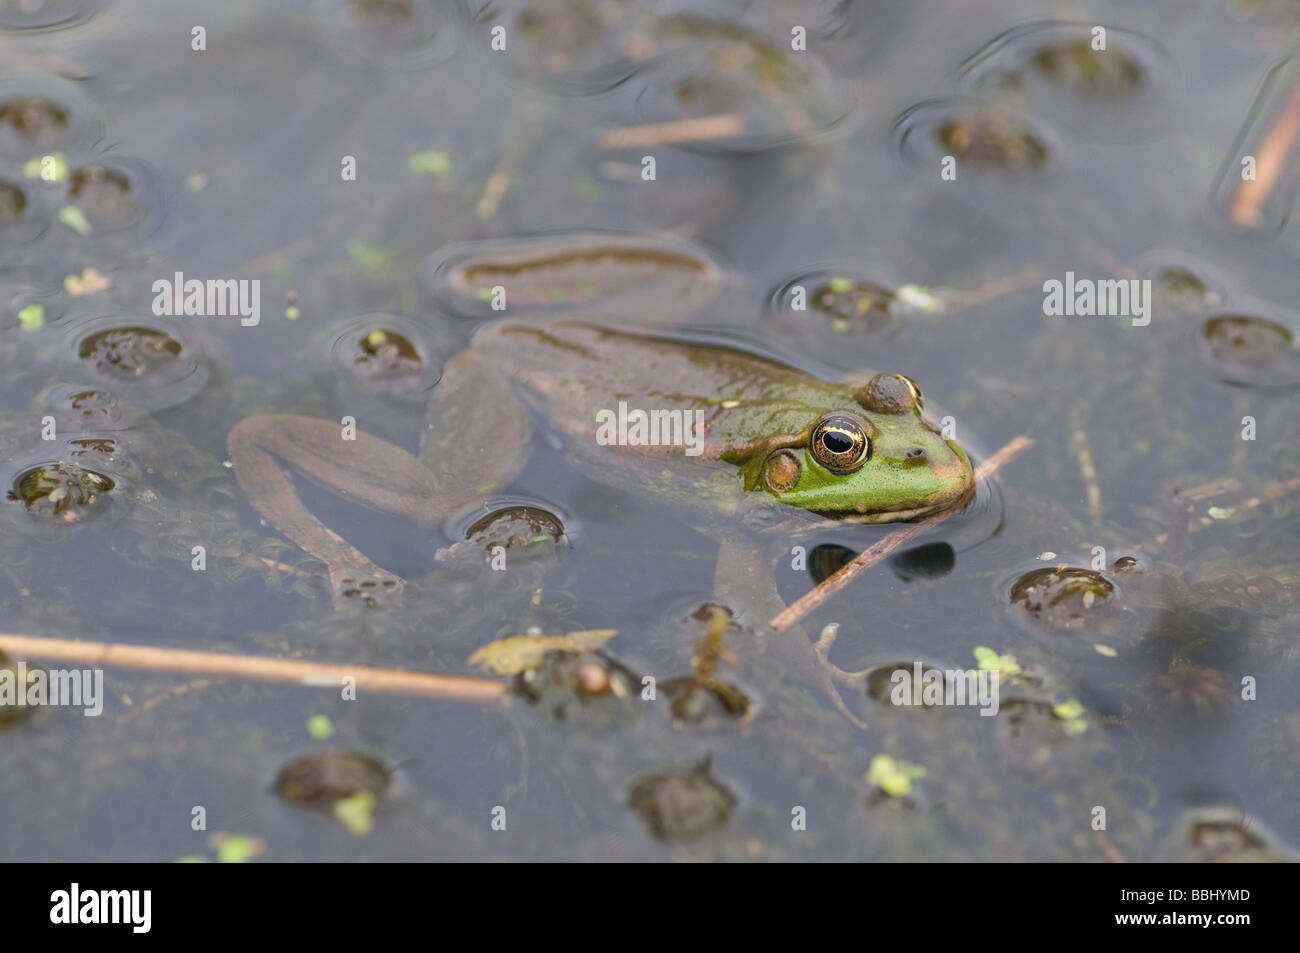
[(750, 431)]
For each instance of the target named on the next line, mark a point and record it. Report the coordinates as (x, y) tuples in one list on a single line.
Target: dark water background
[(264, 115)]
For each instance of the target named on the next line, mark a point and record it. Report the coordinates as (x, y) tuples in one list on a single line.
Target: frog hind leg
[(395, 482)]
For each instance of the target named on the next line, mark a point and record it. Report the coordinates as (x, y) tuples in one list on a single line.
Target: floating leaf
[(356, 813), (432, 162), (320, 727), (893, 776), (88, 282), (990, 661), (518, 653), (236, 848), (75, 219), (32, 317), (50, 168)]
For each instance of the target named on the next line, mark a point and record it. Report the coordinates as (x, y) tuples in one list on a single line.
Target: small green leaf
[(75, 219), (1068, 710), (893, 776), (357, 813), (238, 848), (990, 661), (432, 162), (320, 727), (50, 168), (32, 317)]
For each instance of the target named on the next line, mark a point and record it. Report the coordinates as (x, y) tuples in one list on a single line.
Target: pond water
[(920, 188)]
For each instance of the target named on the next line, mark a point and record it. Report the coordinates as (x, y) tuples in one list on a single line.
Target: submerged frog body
[(750, 431)]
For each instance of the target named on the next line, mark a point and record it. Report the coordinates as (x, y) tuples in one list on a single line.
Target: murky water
[(919, 171)]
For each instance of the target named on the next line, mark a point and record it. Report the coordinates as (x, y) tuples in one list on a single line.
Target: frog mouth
[(904, 516)]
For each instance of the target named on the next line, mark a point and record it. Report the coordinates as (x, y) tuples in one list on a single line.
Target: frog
[(765, 434)]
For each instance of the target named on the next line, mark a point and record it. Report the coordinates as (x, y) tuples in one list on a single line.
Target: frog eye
[(840, 443), (891, 394)]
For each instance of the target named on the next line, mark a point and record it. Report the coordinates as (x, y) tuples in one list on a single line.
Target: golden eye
[(891, 394), (840, 443)]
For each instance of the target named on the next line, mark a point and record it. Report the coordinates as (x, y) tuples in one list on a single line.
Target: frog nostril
[(915, 455)]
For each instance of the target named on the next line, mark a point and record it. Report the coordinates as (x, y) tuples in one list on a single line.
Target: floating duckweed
[(893, 776), (357, 812), (320, 727), (991, 661), (32, 316), (1071, 712), (433, 163), (90, 281), (49, 168), (237, 848), (75, 219), (518, 653)]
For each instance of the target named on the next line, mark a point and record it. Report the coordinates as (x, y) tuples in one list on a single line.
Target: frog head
[(875, 460)]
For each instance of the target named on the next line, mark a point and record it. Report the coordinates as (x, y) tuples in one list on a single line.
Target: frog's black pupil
[(835, 442)]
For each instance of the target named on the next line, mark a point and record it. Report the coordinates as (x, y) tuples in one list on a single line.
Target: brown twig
[(674, 131), (258, 668), (900, 537), (1270, 163), (1230, 484)]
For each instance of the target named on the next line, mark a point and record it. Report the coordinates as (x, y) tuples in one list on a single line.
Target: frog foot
[(369, 588)]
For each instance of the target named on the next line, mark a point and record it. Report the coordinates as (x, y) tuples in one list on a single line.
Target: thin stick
[(1210, 490), (258, 668), (900, 537), (676, 130), (1270, 162)]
